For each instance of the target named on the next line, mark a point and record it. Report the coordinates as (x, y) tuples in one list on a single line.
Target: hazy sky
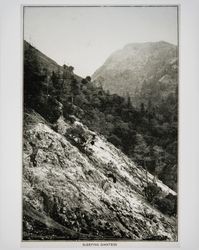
[(85, 36)]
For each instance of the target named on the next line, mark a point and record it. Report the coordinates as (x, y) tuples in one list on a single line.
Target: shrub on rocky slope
[(64, 191)]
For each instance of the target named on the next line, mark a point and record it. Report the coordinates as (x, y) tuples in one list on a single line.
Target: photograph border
[(113, 242), (186, 8)]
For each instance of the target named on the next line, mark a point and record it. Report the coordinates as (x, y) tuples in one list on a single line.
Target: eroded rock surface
[(67, 193)]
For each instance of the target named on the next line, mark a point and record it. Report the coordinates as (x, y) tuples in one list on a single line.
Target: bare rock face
[(68, 191), (127, 70)]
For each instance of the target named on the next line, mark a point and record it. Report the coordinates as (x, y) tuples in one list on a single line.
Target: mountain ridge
[(126, 69)]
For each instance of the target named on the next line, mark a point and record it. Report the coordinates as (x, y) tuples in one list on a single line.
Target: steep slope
[(68, 192), (47, 64), (45, 61), (126, 70)]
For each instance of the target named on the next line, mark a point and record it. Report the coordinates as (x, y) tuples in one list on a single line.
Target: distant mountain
[(126, 70)]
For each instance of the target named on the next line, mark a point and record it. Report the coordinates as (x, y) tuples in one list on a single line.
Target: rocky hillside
[(126, 70), (73, 192)]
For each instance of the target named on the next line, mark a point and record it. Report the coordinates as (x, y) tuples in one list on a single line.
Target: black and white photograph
[(100, 123)]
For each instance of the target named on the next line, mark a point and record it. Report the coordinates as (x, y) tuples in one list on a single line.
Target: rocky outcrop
[(68, 191), (128, 69)]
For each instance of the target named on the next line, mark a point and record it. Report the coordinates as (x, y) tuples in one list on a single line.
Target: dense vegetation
[(147, 134)]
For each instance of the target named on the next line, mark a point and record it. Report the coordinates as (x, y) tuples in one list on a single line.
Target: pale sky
[(84, 37)]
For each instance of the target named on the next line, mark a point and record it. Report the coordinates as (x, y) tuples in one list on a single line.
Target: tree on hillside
[(33, 76), (141, 151), (75, 89), (142, 108), (159, 154), (88, 78), (71, 68)]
